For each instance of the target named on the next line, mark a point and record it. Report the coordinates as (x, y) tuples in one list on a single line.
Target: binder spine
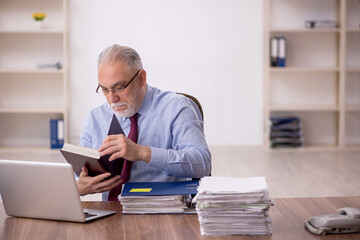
[(273, 51), (56, 133), (282, 52)]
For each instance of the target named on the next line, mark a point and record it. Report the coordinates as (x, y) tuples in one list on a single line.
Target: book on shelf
[(56, 133), (158, 197), (286, 132), (90, 158)]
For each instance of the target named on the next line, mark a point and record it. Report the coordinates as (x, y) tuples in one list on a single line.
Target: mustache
[(118, 104)]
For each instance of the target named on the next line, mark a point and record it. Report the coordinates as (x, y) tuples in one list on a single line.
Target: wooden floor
[(301, 173)]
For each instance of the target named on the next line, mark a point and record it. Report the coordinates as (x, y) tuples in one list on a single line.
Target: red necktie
[(125, 172)]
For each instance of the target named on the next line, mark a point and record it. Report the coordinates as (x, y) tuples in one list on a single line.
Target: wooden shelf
[(302, 88), (352, 147), (305, 30), (352, 108), (304, 69), (303, 108), (307, 148), (40, 94), (353, 69), (31, 31), (354, 30), (34, 149), (32, 71), (32, 110)]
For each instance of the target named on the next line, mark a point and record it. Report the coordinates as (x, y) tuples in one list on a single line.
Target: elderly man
[(165, 138)]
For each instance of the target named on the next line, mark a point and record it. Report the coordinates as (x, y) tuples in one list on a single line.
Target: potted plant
[(39, 18)]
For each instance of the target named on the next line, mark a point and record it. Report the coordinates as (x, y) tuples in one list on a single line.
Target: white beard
[(128, 112)]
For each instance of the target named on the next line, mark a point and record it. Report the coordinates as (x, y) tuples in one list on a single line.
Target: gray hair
[(121, 53)]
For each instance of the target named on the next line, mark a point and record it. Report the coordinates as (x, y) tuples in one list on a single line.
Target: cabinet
[(321, 80), (30, 97)]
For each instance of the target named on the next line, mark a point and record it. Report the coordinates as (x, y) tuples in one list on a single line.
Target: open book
[(90, 158)]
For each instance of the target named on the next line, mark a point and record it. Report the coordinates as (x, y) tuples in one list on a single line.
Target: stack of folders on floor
[(158, 197), (286, 132), (233, 206)]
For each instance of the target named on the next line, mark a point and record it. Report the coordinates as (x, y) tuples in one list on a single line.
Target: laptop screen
[(40, 190)]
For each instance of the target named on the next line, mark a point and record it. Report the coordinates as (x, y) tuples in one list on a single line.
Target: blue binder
[(56, 133), (282, 52), (160, 188)]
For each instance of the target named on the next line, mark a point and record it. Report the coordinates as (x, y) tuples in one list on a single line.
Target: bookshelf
[(321, 80), (30, 97)]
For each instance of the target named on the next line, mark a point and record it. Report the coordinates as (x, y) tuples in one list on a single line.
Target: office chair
[(201, 111), (195, 101)]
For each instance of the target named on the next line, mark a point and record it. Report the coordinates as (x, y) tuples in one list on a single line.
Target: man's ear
[(142, 77)]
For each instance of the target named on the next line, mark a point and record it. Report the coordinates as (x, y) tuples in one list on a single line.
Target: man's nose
[(113, 97)]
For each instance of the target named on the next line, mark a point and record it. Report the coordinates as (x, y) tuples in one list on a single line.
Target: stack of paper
[(233, 206), (158, 197)]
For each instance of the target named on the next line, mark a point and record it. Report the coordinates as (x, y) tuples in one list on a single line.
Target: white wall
[(211, 49)]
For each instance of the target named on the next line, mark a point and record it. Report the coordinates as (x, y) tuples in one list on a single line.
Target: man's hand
[(97, 184), (120, 146)]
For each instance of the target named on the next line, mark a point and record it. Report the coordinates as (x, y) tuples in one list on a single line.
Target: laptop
[(43, 190)]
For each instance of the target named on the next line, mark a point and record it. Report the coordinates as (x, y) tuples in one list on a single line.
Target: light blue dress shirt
[(170, 124)]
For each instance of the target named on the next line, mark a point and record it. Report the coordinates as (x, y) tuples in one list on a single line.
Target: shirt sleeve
[(86, 141), (85, 137), (189, 156)]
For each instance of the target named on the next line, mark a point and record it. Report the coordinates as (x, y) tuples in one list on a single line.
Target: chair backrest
[(201, 111), (195, 101)]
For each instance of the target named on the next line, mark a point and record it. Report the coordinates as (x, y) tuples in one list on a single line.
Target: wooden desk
[(288, 217)]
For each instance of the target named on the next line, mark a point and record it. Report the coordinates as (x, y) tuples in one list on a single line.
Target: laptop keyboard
[(87, 214)]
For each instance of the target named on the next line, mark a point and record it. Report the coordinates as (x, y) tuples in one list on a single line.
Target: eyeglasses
[(116, 89)]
